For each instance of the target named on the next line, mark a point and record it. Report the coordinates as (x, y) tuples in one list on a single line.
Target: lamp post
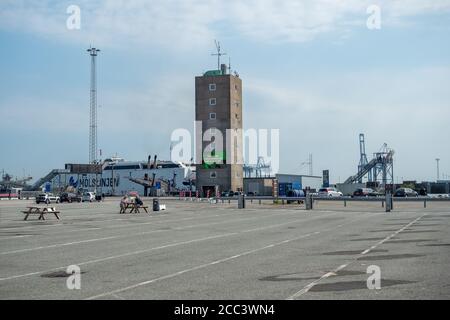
[(437, 165)]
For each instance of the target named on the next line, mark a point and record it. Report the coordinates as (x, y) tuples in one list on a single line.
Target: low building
[(288, 182), (439, 187), (264, 186), (259, 186)]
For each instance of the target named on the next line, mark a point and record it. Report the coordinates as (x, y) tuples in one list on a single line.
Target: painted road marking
[(137, 234), (140, 284), (144, 251), (315, 282)]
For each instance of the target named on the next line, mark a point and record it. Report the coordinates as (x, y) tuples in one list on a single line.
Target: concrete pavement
[(215, 251)]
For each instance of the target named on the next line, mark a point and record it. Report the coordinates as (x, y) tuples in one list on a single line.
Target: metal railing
[(316, 199)]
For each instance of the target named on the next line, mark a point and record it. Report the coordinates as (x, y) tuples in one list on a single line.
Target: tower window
[(212, 116), (212, 87), (212, 101), (213, 175)]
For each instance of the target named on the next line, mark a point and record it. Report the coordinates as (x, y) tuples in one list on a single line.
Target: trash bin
[(241, 202), (155, 204)]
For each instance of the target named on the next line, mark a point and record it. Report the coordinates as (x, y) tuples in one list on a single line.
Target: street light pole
[(437, 165)]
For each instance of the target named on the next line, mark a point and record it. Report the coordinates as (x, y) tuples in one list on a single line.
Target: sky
[(312, 69)]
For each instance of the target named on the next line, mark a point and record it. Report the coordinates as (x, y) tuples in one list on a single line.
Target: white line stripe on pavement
[(214, 262), (150, 249), (308, 287), (133, 235)]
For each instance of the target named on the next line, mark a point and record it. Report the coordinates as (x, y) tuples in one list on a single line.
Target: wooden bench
[(41, 212), (133, 207), (136, 209)]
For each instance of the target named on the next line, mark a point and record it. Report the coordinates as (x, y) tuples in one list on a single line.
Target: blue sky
[(310, 68)]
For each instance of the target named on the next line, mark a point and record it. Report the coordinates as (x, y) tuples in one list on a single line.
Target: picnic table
[(132, 207), (41, 211)]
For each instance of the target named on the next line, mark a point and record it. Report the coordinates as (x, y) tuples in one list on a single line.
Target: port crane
[(261, 169), (379, 169), (7, 182)]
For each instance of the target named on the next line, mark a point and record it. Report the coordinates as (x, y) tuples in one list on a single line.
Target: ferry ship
[(119, 177)]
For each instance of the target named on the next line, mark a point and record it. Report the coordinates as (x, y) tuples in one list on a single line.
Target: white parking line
[(315, 282), (130, 235), (120, 256), (17, 237), (140, 284), (116, 226), (97, 214), (114, 292), (196, 216), (152, 249)]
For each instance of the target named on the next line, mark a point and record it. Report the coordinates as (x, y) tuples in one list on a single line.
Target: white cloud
[(188, 24), (323, 115), (156, 106), (291, 21), (407, 110), (160, 106)]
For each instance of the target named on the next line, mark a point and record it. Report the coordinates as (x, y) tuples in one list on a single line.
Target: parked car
[(366, 192), (295, 194), (47, 198), (227, 194), (423, 192), (329, 192), (70, 197), (405, 192), (88, 196)]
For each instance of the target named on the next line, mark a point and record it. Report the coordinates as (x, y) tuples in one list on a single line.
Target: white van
[(88, 196)]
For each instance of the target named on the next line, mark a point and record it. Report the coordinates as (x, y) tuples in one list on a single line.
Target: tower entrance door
[(211, 189)]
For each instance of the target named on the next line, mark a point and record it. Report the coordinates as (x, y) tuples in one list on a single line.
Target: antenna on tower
[(93, 108), (218, 54)]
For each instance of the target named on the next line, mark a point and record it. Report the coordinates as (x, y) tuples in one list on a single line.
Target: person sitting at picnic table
[(123, 202), (138, 201)]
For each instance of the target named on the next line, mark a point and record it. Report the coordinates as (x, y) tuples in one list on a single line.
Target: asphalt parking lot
[(215, 251)]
